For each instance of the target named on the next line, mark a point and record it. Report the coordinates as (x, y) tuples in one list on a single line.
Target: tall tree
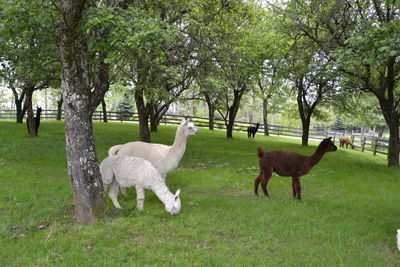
[(83, 170), (232, 41), (28, 50), (365, 35)]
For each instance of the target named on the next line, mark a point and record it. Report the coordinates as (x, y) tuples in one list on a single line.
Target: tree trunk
[(305, 111), (31, 124), (18, 102), (306, 130), (30, 120), (144, 132), (20, 114), (265, 116), (211, 111), (153, 122), (104, 108), (59, 108), (393, 150), (233, 109), (381, 130), (392, 119), (83, 169), (144, 113)]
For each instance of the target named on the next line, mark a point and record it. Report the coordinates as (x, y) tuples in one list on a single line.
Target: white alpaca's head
[(175, 206), (188, 128)]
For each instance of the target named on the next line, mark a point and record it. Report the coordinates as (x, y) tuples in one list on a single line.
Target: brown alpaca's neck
[(317, 156)]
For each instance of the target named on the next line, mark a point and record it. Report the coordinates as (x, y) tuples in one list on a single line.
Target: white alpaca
[(127, 171), (164, 158)]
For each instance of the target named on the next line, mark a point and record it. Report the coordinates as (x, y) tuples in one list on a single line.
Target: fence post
[(364, 139), (334, 136), (375, 145)]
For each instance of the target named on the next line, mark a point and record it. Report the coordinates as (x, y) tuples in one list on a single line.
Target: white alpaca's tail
[(114, 150)]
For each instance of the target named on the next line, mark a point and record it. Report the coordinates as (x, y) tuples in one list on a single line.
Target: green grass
[(348, 216)]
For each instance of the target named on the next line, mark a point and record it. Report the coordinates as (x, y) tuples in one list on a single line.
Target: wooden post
[(334, 136), (375, 145), (364, 139)]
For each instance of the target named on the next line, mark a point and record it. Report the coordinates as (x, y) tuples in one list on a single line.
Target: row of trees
[(325, 52)]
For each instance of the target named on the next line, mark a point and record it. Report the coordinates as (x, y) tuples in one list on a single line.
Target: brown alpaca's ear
[(260, 152)]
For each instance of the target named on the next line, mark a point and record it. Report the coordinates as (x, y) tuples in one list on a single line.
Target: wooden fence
[(364, 142)]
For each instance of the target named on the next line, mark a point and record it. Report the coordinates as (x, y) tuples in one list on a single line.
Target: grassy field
[(348, 216)]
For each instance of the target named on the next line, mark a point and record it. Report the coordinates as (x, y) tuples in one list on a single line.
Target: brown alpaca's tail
[(260, 152)]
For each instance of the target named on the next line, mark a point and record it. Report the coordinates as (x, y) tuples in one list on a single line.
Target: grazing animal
[(344, 140), (286, 163), (127, 171), (252, 130), (164, 158)]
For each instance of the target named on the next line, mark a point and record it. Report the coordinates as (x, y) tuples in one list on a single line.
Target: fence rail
[(365, 142)]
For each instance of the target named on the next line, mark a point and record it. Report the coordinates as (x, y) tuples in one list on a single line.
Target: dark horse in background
[(287, 163), (252, 130)]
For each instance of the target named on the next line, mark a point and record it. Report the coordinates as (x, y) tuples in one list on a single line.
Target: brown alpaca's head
[(327, 145)]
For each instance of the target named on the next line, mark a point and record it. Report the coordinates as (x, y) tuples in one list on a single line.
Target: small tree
[(125, 108)]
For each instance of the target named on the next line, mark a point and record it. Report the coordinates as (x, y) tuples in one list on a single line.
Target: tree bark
[(306, 130), (18, 103), (59, 108), (104, 108), (157, 113), (144, 113), (232, 111), (30, 122), (83, 169), (392, 118), (20, 115), (393, 150), (265, 117), (211, 111)]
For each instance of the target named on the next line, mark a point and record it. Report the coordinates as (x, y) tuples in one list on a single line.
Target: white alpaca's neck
[(177, 149), (163, 193)]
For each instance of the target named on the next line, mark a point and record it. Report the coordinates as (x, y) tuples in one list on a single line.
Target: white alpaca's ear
[(177, 194)]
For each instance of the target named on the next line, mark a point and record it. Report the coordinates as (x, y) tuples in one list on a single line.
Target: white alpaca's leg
[(105, 187), (123, 191), (139, 197), (113, 194)]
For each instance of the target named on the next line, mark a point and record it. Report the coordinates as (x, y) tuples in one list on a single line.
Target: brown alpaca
[(286, 163), (344, 140)]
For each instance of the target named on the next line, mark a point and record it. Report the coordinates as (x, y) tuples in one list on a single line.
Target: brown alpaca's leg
[(297, 186), (294, 188), (264, 183), (256, 183)]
